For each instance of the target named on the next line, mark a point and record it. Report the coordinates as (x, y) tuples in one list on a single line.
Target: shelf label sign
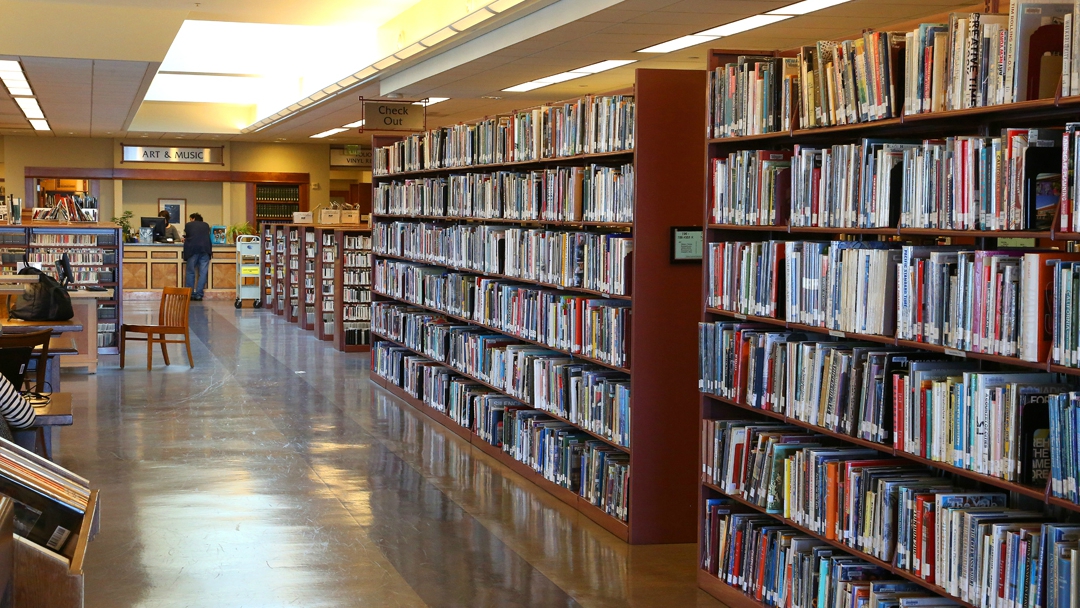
[(393, 116), (343, 158), (177, 154), (687, 243)]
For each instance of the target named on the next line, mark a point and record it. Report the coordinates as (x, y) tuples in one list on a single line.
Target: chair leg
[(187, 343), (164, 350), (150, 352), (123, 341), (40, 444)]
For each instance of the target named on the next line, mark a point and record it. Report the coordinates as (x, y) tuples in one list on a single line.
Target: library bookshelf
[(981, 121), (95, 251), (310, 277), (275, 203), (660, 333)]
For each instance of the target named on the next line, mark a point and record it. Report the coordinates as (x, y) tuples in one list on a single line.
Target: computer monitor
[(63, 270), (157, 224)]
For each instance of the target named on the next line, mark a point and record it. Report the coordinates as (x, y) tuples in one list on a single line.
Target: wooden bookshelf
[(274, 203), (328, 255), (309, 277), (352, 297), (976, 121), (662, 334)]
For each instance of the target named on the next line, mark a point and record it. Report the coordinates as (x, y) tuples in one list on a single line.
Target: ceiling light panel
[(328, 133), (743, 25), (23, 91), (29, 107), (355, 125), (525, 86), (7, 65), (39, 124), (678, 44), (807, 6), (604, 66), (557, 78)]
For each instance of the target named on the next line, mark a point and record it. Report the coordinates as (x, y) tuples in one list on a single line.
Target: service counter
[(150, 268)]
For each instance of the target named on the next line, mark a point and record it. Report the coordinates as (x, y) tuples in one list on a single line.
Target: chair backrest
[(38, 340), (174, 306)]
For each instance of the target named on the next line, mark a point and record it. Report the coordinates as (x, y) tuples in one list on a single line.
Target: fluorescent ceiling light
[(29, 107), (501, 5), (806, 6), (39, 124), (24, 91), (385, 63), (471, 20), (14, 80), (355, 125), (743, 25), (328, 133), (409, 51), (525, 86), (430, 101), (364, 73), (6, 65), (438, 37), (557, 78), (604, 66), (678, 44)]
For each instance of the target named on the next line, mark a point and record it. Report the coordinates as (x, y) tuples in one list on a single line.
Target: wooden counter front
[(150, 268)]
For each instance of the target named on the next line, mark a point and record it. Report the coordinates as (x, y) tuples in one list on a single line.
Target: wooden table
[(83, 327)]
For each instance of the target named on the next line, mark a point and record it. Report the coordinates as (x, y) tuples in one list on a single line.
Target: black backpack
[(46, 300)]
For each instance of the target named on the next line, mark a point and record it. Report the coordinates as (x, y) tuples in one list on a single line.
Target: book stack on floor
[(888, 351), (530, 302)]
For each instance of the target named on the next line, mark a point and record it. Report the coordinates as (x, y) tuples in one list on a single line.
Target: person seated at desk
[(15, 409), (172, 234)]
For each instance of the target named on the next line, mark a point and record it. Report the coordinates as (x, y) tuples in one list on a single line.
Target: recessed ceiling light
[(807, 6), (678, 44), (604, 66), (525, 86), (39, 124), (29, 107), (23, 91), (328, 133), (430, 101), (588, 70), (490, 97), (355, 125), (743, 25), (6, 65)]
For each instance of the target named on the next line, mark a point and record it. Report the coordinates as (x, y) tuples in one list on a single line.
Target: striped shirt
[(14, 407)]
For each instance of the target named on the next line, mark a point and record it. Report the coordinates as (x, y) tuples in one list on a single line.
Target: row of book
[(577, 325), (970, 544), (595, 193), (265, 192), (565, 258), (1011, 302), (554, 449), (925, 404), (51, 238), (1009, 182), (594, 398), (974, 60), (590, 125), (779, 565)]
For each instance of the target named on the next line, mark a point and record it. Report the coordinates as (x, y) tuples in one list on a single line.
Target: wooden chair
[(39, 342), (172, 321)]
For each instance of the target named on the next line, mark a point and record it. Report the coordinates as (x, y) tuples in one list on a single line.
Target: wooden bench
[(57, 412)]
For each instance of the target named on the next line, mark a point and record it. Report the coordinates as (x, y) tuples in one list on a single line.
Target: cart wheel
[(238, 303), (257, 304)]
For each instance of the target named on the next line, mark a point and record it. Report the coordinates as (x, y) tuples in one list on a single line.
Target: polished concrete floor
[(275, 474)]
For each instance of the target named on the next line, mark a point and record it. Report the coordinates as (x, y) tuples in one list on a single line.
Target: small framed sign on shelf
[(687, 244)]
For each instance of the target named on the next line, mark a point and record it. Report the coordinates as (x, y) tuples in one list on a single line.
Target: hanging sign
[(177, 154), (393, 116), (343, 158)]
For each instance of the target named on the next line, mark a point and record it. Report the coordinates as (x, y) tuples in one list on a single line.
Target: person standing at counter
[(197, 250), (172, 235)]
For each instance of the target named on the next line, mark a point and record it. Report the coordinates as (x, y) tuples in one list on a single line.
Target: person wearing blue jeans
[(197, 250)]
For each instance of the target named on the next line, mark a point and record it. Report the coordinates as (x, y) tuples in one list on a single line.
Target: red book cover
[(929, 540), (831, 507), (898, 412)]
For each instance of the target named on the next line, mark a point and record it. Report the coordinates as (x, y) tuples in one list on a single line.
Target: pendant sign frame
[(393, 115), (188, 155)]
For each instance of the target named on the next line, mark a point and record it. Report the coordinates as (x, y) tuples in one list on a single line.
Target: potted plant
[(238, 229), (124, 221)]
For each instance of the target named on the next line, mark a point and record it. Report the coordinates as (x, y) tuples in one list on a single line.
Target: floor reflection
[(275, 474)]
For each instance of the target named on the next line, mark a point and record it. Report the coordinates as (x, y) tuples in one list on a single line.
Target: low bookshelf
[(328, 256), (636, 449), (937, 297)]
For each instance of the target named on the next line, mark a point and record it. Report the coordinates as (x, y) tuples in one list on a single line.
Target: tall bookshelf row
[(470, 260), (879, 382), (318, 276), (94, 250)]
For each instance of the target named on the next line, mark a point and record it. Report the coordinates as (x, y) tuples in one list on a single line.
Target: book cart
[(982, 121), (660, 333)]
